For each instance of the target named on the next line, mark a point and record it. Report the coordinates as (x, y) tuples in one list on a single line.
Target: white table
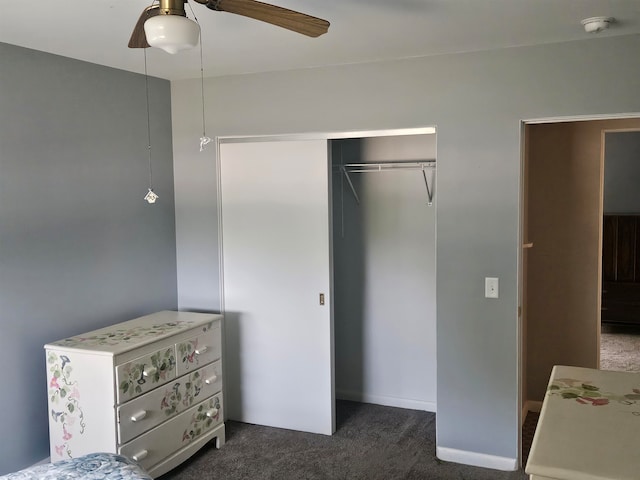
[(589, 427)]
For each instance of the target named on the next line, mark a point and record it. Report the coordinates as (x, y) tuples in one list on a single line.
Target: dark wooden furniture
[(621, 269)]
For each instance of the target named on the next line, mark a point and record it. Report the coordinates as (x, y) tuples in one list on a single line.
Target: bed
[(94, 466)]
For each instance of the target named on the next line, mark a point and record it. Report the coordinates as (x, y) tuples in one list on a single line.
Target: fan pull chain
[(151, 196), (204, 140)]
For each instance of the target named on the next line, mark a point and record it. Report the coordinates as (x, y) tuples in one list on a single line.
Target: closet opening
[(328, 274), (384, 231)]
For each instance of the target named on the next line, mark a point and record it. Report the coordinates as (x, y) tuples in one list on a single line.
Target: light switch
[(491, 287)]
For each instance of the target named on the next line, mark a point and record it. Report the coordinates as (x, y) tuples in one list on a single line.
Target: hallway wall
[(622, 172)]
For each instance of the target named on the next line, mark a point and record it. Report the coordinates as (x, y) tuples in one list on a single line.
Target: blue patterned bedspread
[(94, 466)]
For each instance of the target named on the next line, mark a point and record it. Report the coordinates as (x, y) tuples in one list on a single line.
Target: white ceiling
[(361, 31)]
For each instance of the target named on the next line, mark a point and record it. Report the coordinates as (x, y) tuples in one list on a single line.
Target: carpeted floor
[(620, 348), (371, 442), (528, 430)]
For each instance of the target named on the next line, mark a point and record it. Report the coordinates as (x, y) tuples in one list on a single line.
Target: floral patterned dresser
[(589, 427), (149, 389)]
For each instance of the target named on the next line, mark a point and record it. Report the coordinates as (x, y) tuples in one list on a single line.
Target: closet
[(384, 270), (328, 275)]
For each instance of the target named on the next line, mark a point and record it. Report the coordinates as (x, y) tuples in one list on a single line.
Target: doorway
[(620, 329), (562, 219), (560, 255)]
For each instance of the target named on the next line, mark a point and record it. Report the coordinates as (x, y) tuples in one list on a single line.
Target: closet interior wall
[(384, 274)]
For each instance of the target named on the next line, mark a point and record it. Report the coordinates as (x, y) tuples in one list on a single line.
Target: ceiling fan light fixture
[(171, 33)]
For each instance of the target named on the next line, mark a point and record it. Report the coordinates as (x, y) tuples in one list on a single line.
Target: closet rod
[(386, 166), (381, 166)]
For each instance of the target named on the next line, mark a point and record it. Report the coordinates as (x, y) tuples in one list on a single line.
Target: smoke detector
[(596, 24)]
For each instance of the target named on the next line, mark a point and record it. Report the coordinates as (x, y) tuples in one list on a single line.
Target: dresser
[(149, 389), (621, 269), (589, 427)]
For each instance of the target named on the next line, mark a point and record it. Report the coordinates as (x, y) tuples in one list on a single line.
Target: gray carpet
[(371, 442)]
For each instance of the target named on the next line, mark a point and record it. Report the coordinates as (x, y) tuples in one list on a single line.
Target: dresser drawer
[(199, 350), (151, 409), (145, 373), (171, 436)]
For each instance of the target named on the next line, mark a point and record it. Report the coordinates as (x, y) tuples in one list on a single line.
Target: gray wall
[(384, 275), (622, 172), (477, 100), (79, 247)]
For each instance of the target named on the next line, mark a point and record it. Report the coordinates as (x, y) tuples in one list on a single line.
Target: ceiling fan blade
[(138, 38), (282, 17)]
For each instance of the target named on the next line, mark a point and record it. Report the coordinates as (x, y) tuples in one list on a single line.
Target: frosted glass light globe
[(171, 33)]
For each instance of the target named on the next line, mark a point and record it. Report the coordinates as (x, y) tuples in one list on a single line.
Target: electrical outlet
[(491, 287)]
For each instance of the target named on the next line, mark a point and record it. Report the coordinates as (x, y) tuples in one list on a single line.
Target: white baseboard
[(386, 400), (530, 406), (477, 459), (533, 406), (42, 462)]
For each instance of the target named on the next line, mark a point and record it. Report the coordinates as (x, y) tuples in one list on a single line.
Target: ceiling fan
[(174, 11)]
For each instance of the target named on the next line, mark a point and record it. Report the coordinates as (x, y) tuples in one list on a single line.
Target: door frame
[(524, 404), (295, 137)]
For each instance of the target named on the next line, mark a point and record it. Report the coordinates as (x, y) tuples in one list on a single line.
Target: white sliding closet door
[(276, 244)]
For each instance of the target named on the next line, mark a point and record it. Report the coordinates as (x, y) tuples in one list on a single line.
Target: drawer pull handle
[(211, 380), (150, 371), (141, 455), (201, 351), (136, 417), (212, 413)]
